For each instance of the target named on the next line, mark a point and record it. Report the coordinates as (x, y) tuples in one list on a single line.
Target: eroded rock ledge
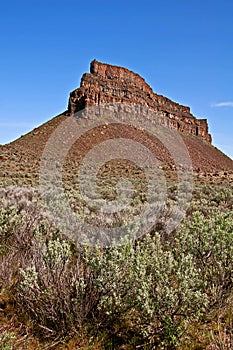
[(106, 84)]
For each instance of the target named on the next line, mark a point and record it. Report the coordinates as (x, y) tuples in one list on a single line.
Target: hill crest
[(108, 84), (104, 84)]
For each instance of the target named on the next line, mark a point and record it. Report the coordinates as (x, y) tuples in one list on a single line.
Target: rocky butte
[(107, 83)]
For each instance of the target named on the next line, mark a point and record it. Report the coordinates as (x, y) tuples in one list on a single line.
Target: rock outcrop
[(106, 84)]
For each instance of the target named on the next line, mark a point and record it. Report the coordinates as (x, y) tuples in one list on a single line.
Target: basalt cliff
[(106, 84)]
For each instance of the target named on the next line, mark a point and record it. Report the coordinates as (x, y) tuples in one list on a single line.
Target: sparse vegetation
[(159, 292)]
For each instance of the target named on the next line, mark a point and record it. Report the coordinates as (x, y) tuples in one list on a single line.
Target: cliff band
[(107, 84)]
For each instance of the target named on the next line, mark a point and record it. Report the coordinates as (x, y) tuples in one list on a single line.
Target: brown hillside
[(23, 155), (105, 84)]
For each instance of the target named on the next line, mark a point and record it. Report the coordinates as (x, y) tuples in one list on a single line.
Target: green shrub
[(6, 341), (210, 243), (141, 293), (153, 288)]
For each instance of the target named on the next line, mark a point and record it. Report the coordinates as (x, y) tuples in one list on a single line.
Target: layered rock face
[(107, 84)]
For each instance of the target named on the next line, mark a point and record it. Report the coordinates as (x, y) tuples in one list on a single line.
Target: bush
[(141, 293), (153, 289), (210, 242), (6, 340)]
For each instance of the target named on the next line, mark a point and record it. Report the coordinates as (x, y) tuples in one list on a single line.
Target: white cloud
[(222, 104)]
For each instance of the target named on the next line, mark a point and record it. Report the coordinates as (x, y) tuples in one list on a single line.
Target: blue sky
[(184, 50)]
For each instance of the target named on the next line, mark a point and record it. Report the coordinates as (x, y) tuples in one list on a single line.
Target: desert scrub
[(21, 216), (143, 285), (210, 243), (212, 198), (46, 289), (6, 341), (137, 293)]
